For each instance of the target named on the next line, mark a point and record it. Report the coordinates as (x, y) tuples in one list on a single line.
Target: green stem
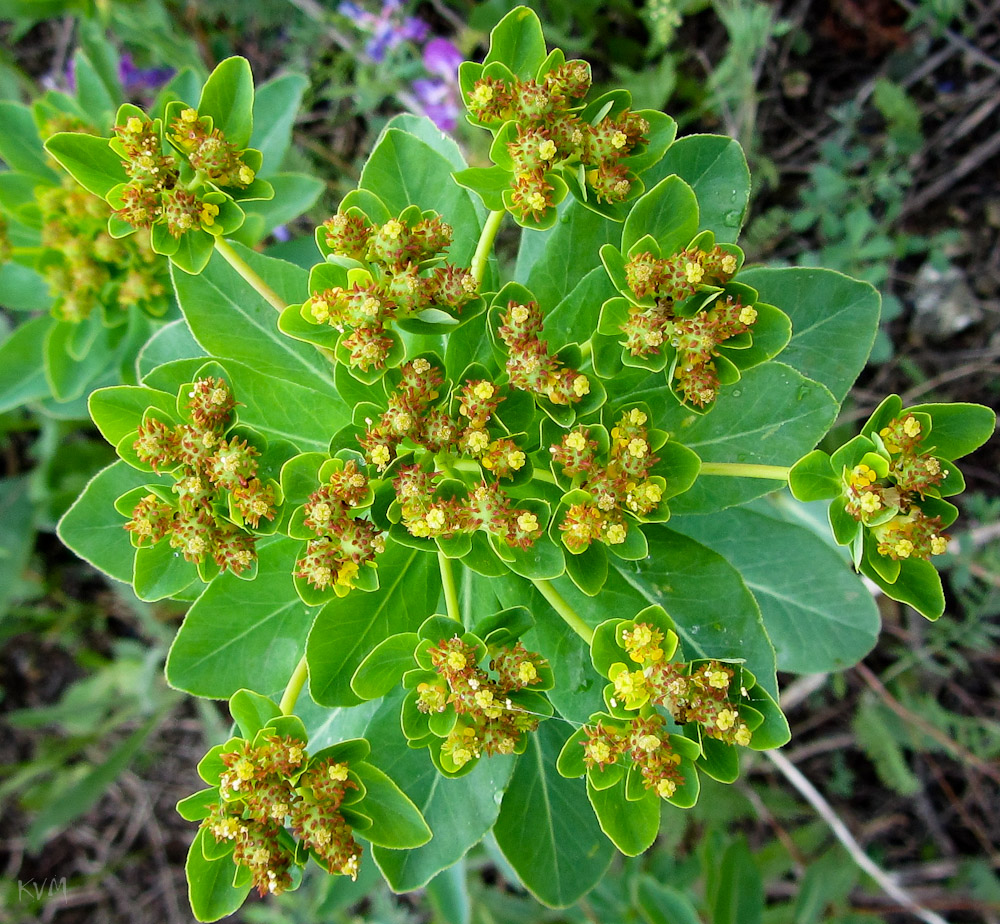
[(745, 470), (198, 179), (295, 684), (229, 254), (569, 615), (485, 244), (450, 590)]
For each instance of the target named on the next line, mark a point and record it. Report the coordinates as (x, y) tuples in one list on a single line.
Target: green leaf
[(230, 320), (348, 628), (554, 262), (195, 806), (92, 527), (714, 614), (448, 893), (396, 821), (119, 410), (739, 897), (403, 171), (957, 429), (918, 584), (384, 666), (488, 183), (20, 147), (193, 251), (834, 320), (772, 416), (18, 537), (546, 829), (252, 712), (660, 904), (817, 613), (423, 128), (22, 289), (812, 478), (210, 883), (231, 639), (172, 341), (459, 811), (89, 160), (631, 826), (518, 42), (22, 371), (228, 98), (275, 107), (96, 98), (161, 572), (669, 212), (716, 169), (68, 377)]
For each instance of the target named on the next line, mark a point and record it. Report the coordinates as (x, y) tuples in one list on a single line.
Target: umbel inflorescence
[(217, 499), (381, 274)]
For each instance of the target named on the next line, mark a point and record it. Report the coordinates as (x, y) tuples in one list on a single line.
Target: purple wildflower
[(136, 79), (438, 95), (442, 59), (387, 29)]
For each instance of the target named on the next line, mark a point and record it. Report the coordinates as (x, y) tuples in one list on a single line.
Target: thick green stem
[(745, 470), (450, 590), (295, 684), (568, 614), (230, 255), (485, 244)]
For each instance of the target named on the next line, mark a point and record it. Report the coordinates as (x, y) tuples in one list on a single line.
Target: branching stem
[(745, 470), (229, 254), (294, 687), (450, 590), (485, 245), (568, 614)]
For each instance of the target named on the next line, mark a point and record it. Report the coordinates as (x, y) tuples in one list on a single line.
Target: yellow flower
[(616, 534), (337, 772), (208, 212), (527, 522), (637, 447), (726, 719)]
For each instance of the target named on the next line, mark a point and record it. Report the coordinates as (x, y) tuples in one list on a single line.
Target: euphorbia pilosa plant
[(505, 530)]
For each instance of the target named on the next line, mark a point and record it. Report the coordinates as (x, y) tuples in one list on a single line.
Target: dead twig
[(885, 881)]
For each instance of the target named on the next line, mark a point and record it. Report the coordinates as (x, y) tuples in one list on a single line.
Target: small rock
[(944, 304)]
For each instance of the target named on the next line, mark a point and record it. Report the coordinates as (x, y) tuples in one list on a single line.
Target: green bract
[(461, 505), (888, 486)]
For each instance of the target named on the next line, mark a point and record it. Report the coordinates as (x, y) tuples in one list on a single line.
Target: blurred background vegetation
[(873, 133)]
